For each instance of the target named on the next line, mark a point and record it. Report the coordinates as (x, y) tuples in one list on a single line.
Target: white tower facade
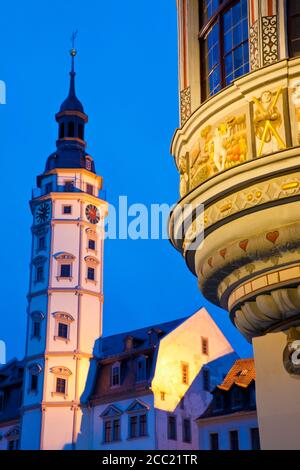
[(66, 289)]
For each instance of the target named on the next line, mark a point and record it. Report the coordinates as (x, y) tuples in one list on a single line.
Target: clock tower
[(65, 296)]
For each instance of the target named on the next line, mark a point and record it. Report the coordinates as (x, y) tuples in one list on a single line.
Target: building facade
[(76, 390), (65, 293), (230, 421), (149, 386), (237, 154)]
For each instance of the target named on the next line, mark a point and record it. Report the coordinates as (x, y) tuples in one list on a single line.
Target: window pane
[(234, 440), (214, 441), (60, 385), (65, 270), (63, 330)]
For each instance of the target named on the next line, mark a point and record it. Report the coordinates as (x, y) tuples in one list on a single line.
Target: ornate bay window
[(223, 43)]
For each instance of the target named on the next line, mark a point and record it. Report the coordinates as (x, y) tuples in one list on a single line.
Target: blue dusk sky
[(127, 80)]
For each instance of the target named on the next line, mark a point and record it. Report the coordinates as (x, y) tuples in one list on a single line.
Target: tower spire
[(73, 51)]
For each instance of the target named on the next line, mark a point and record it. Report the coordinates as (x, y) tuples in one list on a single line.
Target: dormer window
[(141, 369), (236, 398), (128, 343), (116, 374)]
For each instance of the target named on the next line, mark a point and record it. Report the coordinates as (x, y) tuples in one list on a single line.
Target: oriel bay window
[(224, 45)]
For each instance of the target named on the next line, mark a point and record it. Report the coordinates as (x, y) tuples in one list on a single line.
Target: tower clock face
[(43, 212), (92, 214)]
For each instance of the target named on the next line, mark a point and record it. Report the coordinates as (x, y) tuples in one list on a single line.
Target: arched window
[(61, 130), (293, 15), (223, 43), (71, 129)]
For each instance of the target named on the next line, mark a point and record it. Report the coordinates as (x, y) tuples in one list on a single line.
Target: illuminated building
[(237, 153), (230, 421), (75, 389)]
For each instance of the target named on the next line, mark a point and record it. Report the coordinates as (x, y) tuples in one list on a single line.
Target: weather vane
[(73, 41)]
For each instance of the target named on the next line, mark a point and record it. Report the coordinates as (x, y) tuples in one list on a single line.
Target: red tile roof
[(241, 374)]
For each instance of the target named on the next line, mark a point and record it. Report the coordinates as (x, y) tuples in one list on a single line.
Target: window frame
[(186, 436), (185, 373), (114, 366), (172, 422), (204, 28), (211, 436), (234, 439)]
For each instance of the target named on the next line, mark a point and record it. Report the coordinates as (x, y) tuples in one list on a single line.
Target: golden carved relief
[(268, 122), (217, 149)]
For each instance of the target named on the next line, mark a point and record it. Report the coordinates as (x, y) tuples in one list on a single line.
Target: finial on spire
[(73, 51)]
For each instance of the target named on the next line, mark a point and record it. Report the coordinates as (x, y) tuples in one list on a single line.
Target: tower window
[(172, 428), (69, 186), (67, 209), (163, 396), (63, 330), (33, 383), (36, 329), (48, 188), (71, 129), (65, 270), (39, 273), (91, 274), (61, 130), (42, 243), (80, 131), (61, 385), (223, 43), (90, 189), (92, 245)]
